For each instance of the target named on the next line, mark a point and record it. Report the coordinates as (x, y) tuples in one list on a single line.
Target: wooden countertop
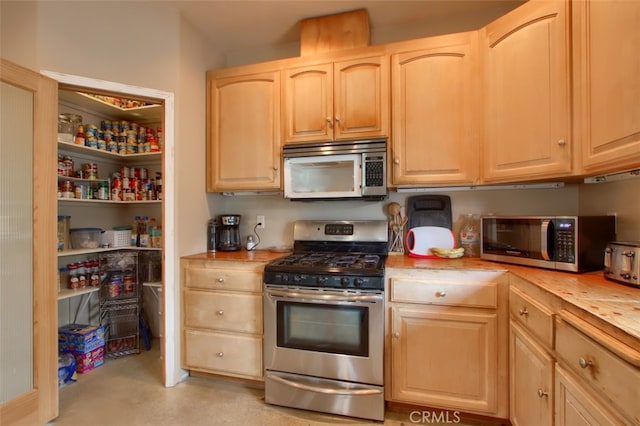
[(239, 256), (614, 304)]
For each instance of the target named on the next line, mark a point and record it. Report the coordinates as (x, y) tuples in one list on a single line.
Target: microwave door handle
[(544, 239)]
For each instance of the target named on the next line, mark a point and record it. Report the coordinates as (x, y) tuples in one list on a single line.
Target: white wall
[(137, 44), (621, 198), (280, 214)]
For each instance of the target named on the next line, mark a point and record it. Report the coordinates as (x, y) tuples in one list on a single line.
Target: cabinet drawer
[(535, 317), (223, 279), (223, 353), (432, 292), (615, 379), (223, 311)]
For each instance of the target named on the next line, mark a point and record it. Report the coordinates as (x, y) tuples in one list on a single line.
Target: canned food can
[(90, 170), (129, 284), (91, 131), (73, 282), (128, 195), (140, 172), (103, 191), (122, 147), (115, 286), (131, 146), (80, 191), (68, 165), (105, 125), (61, 167), (125, 171), (102, 145)]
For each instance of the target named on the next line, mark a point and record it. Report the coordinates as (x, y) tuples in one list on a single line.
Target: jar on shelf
[(73, 276), (68, 123)]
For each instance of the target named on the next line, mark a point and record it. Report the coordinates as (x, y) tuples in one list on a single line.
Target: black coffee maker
[(229, 232)]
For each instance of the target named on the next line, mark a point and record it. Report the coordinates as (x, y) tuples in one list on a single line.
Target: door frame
[(171, 371)]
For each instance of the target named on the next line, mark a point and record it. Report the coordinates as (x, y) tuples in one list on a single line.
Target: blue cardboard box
[(80, 338)]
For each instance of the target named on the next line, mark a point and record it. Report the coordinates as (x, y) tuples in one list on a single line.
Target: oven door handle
[(327, 391), (298, 294)]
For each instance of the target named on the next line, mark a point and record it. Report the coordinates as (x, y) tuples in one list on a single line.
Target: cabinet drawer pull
[(585, 363), (396, 335), (441, 293), (542, 393), (220, 280), (562, 142), (523, 311), (220, 312), (220, 354)]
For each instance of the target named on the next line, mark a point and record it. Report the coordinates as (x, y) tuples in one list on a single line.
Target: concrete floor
[(128, 391)]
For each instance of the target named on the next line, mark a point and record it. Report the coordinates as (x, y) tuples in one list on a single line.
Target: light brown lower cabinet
[(447, 340), (531, 380), (600, 380), (222, 317), (576, 406), (565, 370)]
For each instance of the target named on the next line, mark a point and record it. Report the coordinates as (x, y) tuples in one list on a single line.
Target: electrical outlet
[(260, 221)]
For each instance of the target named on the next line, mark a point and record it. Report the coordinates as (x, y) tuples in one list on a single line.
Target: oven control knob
[(285, 278), (321, 279), (297, 278), (357, 282), (345, 281)]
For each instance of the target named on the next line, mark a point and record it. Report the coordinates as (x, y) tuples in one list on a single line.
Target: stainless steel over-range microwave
[(336, 169), (565, 243)]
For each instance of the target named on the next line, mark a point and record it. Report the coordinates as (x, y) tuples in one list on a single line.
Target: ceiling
[(238, 25)]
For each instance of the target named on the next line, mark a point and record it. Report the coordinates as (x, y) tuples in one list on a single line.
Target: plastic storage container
[(85, 238), (470, 235)]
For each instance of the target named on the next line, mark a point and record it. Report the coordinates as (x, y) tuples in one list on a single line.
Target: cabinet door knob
[(220, 312), (585, 363), (542, 393), (396, 161), (562, 142), (220, 354), (523, 311), (220, 280), (441, 293), (396, 335), (329, 122)]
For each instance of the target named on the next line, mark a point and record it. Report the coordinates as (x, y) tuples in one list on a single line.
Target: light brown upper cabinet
[(527, 114), (434, 97), (607, 84), (342, 100), (243, 132)]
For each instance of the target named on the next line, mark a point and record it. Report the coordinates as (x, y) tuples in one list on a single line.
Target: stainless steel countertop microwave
[(564, 243), (336, 170)]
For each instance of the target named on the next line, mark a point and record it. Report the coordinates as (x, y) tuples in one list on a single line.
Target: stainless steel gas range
[(324, 319)]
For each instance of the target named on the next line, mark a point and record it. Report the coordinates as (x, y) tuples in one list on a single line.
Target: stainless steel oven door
[(333, 334)]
